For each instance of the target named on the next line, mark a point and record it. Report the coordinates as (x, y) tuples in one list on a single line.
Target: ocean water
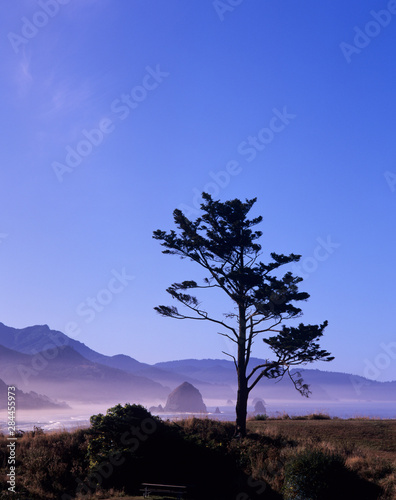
[(78, 416)]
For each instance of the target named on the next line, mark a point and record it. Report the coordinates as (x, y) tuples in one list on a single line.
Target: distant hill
[(38, 338), (33, 339), (28, 401), (66, 374), (324, 385), (206, 370), (48, 361)]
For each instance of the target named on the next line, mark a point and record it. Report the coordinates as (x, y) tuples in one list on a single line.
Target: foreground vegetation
[(283, 458)]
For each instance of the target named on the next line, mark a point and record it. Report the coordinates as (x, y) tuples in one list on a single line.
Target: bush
[(128, 446), (314, 475), (118, 446), (48, 464), (122, 429), (261, 416), (319, 416)]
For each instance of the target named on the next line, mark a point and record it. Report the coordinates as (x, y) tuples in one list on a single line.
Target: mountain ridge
[(66, 373), (215, 378), (28, 400)]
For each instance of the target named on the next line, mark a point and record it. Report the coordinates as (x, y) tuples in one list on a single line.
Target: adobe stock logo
[(41, 358), (381, 362), (372, 29), (223, 6), (247, 149), (120, 107), (30, 27), (321, 253), (390, 178), (93, 305), (375, 366)]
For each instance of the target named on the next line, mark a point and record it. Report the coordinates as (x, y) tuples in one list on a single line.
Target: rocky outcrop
[(156, 409), (185, 398), (259, 408)]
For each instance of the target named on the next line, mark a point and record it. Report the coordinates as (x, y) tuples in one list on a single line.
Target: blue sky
[(114, 113)]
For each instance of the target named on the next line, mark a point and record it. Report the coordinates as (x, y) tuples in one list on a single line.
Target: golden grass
[(367, 445), (377, 437)]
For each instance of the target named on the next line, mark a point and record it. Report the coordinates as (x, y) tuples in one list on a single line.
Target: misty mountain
[(64, 373), (159, 375), (28, 401), (206, 370), (324, 385), (49, 361), (38, 338), (34, 339)]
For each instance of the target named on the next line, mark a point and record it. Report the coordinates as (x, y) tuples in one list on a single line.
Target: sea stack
[(185, 398), (259, 408)]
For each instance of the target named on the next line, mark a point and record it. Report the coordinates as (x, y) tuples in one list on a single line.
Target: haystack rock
[(185, 398), (259, 408)]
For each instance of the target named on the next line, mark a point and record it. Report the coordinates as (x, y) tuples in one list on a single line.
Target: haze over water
[(79, 415)]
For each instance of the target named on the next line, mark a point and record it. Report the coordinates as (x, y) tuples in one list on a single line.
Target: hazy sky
[(114, 113)]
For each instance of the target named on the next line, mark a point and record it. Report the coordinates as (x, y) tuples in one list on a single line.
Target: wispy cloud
[(65, 95), (23, 76)]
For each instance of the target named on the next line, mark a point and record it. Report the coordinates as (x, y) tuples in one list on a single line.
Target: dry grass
[(375, 436), (367, 445), (47, 463)]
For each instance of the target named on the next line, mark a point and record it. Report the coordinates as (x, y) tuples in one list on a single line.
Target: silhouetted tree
[(223, 243)]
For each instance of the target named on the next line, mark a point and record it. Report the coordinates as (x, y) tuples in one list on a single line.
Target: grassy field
[(368, 446), (376, 437)]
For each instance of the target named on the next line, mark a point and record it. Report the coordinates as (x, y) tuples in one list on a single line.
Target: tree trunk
[(241, 407), (243, 392)]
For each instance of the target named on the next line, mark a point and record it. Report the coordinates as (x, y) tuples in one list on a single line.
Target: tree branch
[(225, 335), (268, 367), (233, 357)]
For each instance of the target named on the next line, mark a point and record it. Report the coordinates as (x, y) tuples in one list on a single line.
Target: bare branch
[(233, 357), (203, 314), (225, 335)]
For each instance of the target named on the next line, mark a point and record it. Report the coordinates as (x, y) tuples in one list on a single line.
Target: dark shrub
[(314, 475), (118, 446), (261, 416), (129, 446), (318, 416)]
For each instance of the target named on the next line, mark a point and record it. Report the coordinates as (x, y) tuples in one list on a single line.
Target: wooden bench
[(168, 489)]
